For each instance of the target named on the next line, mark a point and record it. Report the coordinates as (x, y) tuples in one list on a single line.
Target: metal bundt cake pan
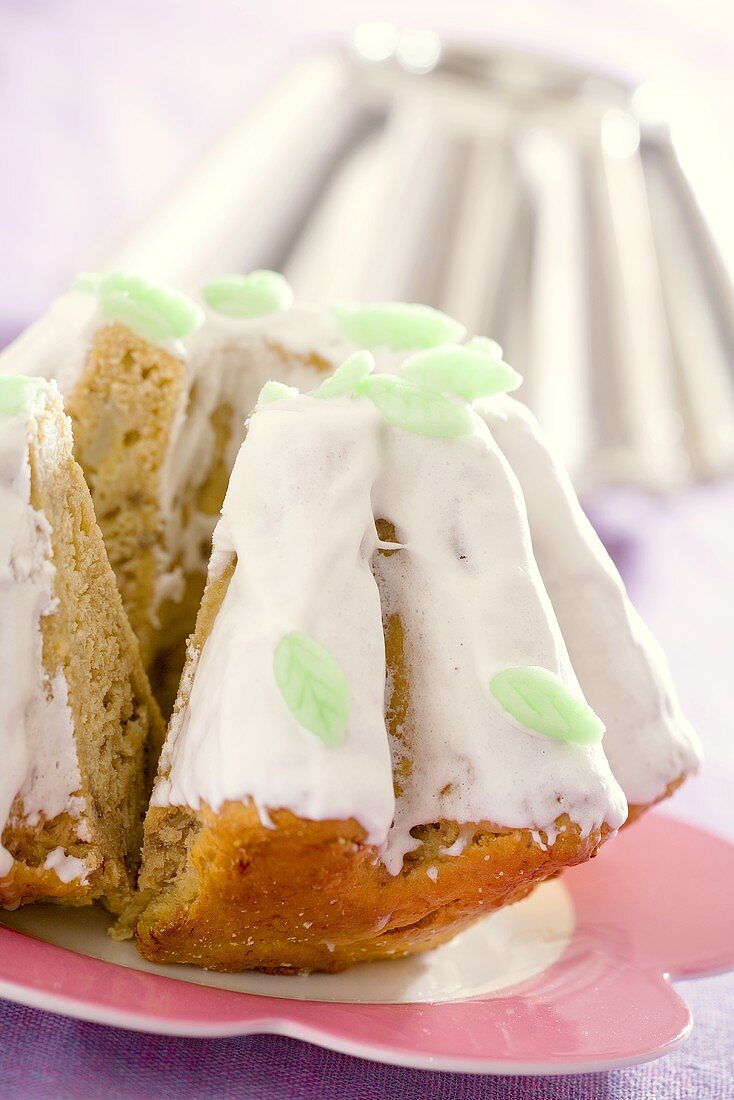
[(536, 202)]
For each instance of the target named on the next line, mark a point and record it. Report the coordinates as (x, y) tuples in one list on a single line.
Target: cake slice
[(379, 735), (79, 728)]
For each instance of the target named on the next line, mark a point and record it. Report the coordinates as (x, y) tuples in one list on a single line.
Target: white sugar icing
[(486, 769), (320, 470), (37, 748), (649, 742), (67, 868), (620, 666), (472, 603), (308, 483), (56, 346)]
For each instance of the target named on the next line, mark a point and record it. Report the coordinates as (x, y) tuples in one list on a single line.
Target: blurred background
[(556, 173)]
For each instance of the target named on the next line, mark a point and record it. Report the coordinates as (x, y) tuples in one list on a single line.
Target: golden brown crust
[(232, 894), (312, 895)]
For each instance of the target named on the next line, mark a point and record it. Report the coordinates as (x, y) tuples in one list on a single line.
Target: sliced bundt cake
[(379, 735), (79, 729)]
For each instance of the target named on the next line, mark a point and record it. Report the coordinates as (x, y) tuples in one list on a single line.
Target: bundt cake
[(379, 735), (384, 727), (79, 729)]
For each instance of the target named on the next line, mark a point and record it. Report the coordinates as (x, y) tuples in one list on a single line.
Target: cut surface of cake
[(114, 347), (379, 734), (79, 729)]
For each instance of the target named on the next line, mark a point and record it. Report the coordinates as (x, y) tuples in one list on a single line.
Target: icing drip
[(471, 603), (299, 515), (622, 671), (304, 537), (36, 733), (67, 868)]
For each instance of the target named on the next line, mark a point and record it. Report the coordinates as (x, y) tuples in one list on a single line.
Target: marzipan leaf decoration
[(275, 391), (151, 311), (540, 701), (253, 295), (397, 325), (345, 379), (18, 393), (462, 369), (417, 410), (313, 686)]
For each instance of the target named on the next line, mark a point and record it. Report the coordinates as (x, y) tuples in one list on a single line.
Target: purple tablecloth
[(73, 77)]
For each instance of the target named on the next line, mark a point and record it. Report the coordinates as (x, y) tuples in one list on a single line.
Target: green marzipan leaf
[(275, 391), (467, 371), (416, 410), (17, 393), (347, 377), (252, 295), (313, 686), (151, 311), (540, 701), (397, 325)]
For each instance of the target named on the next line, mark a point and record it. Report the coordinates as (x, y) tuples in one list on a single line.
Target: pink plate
[(656, 904)]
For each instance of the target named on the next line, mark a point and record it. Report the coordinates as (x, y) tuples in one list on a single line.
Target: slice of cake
[(79, 729), (379, 735)]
